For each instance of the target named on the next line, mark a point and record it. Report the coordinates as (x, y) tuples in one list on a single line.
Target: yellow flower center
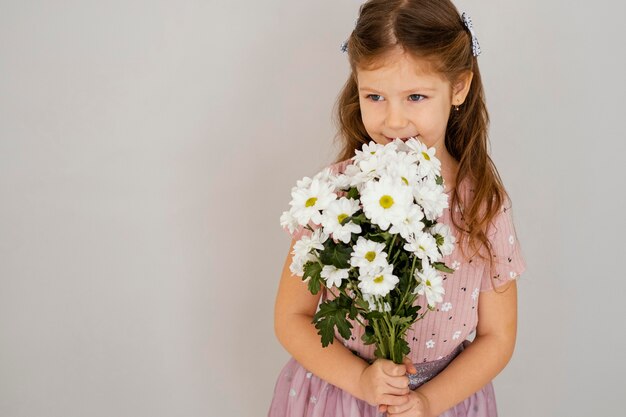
[(379, 279), (426, 156), (370, 256), (386, 201), (428, 283), (341, 217), (310, 202), (422, 248)]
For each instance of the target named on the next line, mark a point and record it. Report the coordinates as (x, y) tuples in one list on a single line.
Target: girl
[(415, 73)]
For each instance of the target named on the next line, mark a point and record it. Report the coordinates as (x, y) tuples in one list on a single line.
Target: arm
[(483, 359), (293, 314)]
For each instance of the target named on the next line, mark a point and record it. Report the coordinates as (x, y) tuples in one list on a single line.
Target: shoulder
[(340, 167)]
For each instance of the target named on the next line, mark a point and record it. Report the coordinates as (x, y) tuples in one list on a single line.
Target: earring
[(456, 108)]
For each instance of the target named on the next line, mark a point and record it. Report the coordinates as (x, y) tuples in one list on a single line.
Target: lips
[(402, 139)]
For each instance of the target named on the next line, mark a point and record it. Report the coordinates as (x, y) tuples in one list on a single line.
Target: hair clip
[(344, 46), (467, 21)]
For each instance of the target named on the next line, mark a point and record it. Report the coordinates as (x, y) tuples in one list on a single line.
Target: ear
[(461, 88)]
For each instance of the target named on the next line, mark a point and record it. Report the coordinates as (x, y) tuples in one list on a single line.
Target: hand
[(416, 406), (409, 369), (384, 382)]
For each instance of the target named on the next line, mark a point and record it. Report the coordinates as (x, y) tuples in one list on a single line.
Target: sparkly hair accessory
[(467, 21), (344, 44)]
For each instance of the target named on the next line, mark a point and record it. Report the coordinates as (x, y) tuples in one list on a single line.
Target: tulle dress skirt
[(299, 393)]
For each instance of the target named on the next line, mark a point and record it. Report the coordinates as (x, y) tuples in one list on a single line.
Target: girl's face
[(404, 98)]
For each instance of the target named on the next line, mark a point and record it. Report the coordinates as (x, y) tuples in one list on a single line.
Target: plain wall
[(147, 150)]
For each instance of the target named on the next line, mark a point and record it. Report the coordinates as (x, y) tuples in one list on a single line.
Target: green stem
[(381, 343)]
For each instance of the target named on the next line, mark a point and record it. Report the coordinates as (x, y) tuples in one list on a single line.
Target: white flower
[(378, 281), (456, 335), (357, 177), (302, 251), (430, 284), (429, 165), (335, 213), (411, 223), (334, 275), (288, 221), (404, 166), (430, 344), (340, 182), (307, 243), (475, 293), (307, 201), (367, 151), (446, 307), (386, 201), (444, 238), (455, 265), (432, 198), (297, 264), (424, 246), (368, 254), (376, 304), (511, 239)]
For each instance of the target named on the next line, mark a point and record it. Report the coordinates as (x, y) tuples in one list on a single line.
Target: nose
[(395, 118)]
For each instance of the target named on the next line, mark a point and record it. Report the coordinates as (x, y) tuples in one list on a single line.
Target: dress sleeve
[(298, 232), (506, 251)]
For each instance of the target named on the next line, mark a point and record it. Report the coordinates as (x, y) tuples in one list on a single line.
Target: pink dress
[(434, 341)]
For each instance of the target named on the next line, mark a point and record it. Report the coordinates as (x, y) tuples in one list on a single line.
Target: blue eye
[(374, 96), (420, 97)]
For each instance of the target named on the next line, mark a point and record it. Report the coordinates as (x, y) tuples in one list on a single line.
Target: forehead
[(400, 71)]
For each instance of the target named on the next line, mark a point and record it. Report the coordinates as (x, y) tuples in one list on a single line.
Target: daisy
[(411, 223), (367, 150), (444, 238), (307, 243), (288, 222), (429, 165), (386, 201), (376, 304), (335, 213), (334, 275), (302, 251), (429, 284), (378, 281), (404, 166), (368, 254), (424, 246), (307, 201), (432, 199)]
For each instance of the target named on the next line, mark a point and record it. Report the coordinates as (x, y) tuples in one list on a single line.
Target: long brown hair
[(430, 30)]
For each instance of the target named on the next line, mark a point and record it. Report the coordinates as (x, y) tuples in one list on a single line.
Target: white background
[(147, 149)]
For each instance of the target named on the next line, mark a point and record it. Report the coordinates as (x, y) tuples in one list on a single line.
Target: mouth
[(402, 139)]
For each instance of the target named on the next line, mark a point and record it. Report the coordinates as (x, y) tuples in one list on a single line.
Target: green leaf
[(329, 317), (439, 180), (313, 271), (401, 349), (336, 254), (440, 266), (368, 336), (353, 193)]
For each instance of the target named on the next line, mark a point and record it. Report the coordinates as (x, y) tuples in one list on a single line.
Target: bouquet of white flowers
[(375, 242)]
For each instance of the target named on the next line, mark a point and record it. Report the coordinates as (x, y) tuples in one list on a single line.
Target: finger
[(399, 409), (394, 399), (410, 367), (382, 408), (396, 391), (398, 381), (392, 369)]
